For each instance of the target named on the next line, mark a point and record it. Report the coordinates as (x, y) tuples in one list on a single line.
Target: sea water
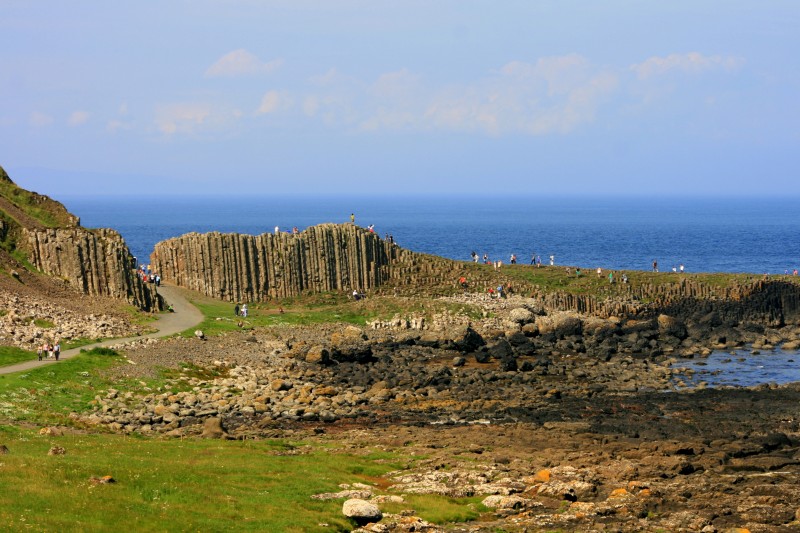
[(758, 235)]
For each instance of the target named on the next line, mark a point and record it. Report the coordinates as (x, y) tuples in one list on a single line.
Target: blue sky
[(363, 97)]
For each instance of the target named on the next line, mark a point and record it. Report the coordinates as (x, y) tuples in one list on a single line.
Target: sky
[(359, 97)]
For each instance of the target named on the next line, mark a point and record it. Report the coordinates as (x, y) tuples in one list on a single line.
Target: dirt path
[(185, 316)]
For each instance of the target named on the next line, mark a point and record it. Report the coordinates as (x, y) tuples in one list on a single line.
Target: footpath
[(185, 316)]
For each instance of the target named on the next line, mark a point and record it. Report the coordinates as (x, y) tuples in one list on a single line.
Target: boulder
[(212, 429), (362, 511), (318, 355), (521, 316)]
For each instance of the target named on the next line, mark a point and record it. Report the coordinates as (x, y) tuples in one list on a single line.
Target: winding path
[(185, 316)]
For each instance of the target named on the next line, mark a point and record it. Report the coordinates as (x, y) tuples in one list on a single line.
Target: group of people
[(147, 276), (240, 311), (49, 351), (680, 268), (535, 260)]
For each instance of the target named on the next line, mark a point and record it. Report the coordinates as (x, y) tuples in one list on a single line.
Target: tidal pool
[(741, 368)]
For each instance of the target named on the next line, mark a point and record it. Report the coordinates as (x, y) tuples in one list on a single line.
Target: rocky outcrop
[(96, 262), (328, 257)]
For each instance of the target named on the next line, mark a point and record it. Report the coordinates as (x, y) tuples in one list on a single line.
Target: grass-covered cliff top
[(30, 209)]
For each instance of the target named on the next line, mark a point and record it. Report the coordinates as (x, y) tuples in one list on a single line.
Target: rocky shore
[(558, 421)]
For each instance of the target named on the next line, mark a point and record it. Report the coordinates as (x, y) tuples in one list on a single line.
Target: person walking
[(57, 350)]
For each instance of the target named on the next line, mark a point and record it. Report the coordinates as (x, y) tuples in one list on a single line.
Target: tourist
[(474, 256), (39, 351), (236, 310), (624, 278), (500, 292), (463, 282), (352, 218), (57, 350), (485, 259), (577, 272), (795, 272), (277, 230), (356, 295), (552, 260), (513, 259), (533, 258), (655, 265), (611, 277), (675, 269), (681, 268), (244, 311), (599, 272), (158, 280)]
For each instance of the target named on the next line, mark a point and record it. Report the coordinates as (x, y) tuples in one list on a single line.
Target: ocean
[(758, 235)]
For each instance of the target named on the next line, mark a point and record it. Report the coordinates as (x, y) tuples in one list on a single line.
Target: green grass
[(43, 323), (10, 355), (186, 485), (315, 309), (49, 393)]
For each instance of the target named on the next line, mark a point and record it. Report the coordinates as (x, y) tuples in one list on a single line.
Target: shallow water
[(742, 368)]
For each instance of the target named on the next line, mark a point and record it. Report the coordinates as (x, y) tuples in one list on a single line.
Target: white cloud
[(40, 120), (181, 118), (691, 62), (114, 126), (272, 102), (78, 118), (241, 62)]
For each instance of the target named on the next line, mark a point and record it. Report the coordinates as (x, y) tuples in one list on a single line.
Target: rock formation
[(96, 262), (328, 257)]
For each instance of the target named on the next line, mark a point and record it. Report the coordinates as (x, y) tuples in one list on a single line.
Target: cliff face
[(95, 262), (322, 258)]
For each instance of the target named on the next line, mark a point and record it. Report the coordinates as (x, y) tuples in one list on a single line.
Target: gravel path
[(185, 316)]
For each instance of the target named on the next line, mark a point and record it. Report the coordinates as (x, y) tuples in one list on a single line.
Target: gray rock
[(361, 511)]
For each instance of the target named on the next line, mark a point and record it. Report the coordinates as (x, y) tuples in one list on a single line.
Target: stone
[(57, 450), (361, 511), (318, 355), (212, 429), (521, 315)]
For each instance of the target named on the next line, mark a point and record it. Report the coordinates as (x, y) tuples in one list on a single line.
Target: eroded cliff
[(96, 262)]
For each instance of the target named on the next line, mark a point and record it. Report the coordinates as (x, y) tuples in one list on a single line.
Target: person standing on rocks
[(352, 218)]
